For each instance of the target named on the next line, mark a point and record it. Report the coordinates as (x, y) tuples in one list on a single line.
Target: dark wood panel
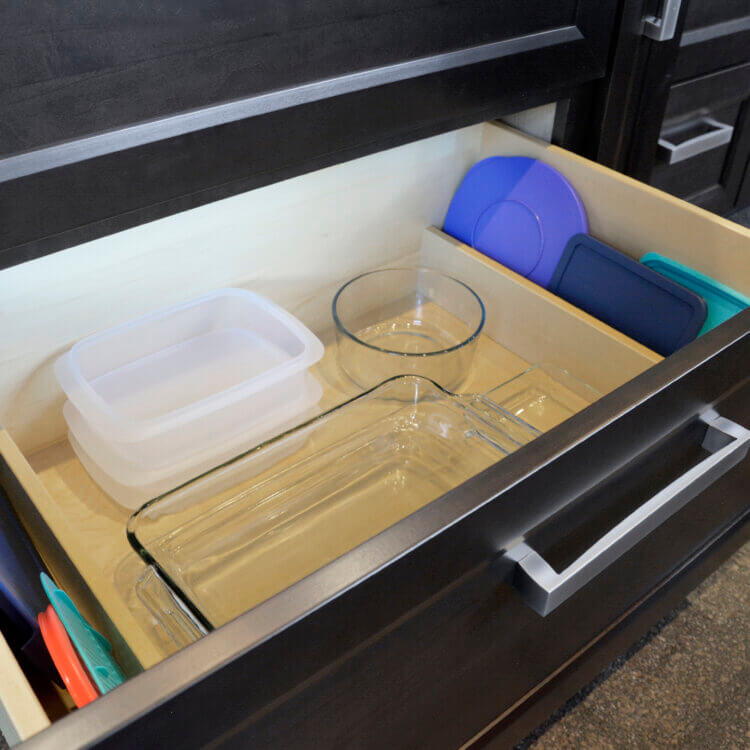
[(708, 92), (702, 13), (76, 68), (564, 684), (713, 48), (711, 179), (65, 194), (743, 198)]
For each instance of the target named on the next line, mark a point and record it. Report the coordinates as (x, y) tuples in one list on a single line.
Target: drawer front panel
[(716, 35), (702, 13), (707, 120), (211, 53), (130, 115)]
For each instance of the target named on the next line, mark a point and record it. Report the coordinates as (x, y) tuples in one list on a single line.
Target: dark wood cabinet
[(710, 118), (685, 124), (120, 113)]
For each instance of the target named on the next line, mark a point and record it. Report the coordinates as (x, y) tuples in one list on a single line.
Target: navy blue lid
[(627, 295)]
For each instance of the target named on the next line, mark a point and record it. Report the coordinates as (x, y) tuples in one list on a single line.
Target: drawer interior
[(296, 242)]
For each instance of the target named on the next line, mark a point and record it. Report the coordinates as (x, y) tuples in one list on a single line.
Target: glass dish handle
[(167, 609), (497, 425)]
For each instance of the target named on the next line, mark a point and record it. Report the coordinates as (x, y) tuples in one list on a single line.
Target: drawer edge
[(69, 562)]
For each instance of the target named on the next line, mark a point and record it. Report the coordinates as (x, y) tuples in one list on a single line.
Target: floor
[(685, 684)]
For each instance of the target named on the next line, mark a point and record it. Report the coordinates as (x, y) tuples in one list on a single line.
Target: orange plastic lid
[(66, 659)]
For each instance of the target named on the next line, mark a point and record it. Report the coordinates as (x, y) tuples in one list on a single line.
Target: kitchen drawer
[(418, 636), (707, 121)]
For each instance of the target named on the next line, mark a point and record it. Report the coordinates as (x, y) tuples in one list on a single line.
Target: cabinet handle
[(662, 29), (543, 589), (720, 135)]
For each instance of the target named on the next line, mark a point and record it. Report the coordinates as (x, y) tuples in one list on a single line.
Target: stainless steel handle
[(543, 589), (662, 29), (720, 135)]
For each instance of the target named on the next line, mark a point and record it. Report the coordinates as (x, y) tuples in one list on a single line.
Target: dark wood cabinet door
[(707, 119), (118, 113), (690, 91), (716, 35)]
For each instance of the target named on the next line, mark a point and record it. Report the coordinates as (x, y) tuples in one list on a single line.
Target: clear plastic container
[(195, 367), (132, 473), (407, 321), (159, 400), (544, 395), (249, 529)]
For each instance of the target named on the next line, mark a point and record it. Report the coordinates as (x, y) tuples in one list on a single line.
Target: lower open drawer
[(351, 218)]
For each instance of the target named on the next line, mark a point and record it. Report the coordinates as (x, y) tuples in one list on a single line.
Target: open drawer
[(382, 645)]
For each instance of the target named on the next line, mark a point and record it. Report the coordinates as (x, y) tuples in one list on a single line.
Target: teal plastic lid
[(722, 301), (92, 646)]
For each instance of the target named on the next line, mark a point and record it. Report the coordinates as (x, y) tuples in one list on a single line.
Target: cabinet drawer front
[(415, 637), (212, 54), (143, 113), (707, 120), (716, 35)]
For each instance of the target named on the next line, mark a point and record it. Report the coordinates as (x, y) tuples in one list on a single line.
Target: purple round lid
[(519, 211)]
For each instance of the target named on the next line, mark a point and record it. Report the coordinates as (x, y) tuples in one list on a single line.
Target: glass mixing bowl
[(407, 321)]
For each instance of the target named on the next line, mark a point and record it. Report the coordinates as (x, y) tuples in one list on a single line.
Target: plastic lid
[(92, 646), (166, 370), (66, 659), (519, 211)]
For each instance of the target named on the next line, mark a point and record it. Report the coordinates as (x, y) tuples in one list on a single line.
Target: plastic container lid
[(627, 295), (66, 659), (722, 301), (92, 646), (519, 211), (175, 367)]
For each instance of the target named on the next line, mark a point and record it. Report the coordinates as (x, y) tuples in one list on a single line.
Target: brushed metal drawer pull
[(543, 589), (662, 29), (719, 135)]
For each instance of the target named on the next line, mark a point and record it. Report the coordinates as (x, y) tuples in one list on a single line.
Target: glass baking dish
[(249, 529), (544, 395)]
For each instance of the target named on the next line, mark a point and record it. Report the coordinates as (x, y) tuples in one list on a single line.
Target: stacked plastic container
[(161, 399)]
